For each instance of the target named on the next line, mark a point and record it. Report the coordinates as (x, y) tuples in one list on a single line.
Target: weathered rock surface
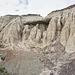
[(35, 30), (68, 68), (22, 62), (45, 43), (63, 62)]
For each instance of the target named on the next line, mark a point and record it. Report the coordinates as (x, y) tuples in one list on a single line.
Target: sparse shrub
[(3, 71)]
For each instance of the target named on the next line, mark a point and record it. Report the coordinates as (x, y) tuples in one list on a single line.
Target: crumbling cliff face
[(50, 39), (35, 30)]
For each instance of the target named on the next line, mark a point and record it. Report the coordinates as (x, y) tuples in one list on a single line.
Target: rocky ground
[(51, 60), (20, 62)]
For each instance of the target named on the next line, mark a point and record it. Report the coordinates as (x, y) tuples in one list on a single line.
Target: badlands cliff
[(54, 33), (35, 30)]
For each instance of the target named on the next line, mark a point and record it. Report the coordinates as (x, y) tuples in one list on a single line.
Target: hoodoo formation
[(36, 45)]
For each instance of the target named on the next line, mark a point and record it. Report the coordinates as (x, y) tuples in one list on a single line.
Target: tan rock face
[(11, 33), (38, 31), (35, 45), (51, 30)]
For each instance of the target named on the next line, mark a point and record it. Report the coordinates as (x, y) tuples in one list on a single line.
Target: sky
[(22, 7)]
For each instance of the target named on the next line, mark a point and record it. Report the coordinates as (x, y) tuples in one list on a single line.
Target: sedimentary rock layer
[(34, 30)]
